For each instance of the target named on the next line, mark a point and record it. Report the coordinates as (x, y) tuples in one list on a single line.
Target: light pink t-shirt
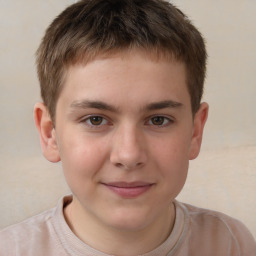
[(196, 232)]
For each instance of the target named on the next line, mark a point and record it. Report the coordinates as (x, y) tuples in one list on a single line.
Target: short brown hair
[(89, 28)]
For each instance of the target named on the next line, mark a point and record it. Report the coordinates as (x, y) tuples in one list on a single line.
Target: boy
[(121, 82)]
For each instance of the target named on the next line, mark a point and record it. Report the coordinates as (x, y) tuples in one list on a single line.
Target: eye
[(95, 121), (160, 121)]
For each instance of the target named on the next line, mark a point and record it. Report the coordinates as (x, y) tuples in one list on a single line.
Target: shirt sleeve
[(244, 239)]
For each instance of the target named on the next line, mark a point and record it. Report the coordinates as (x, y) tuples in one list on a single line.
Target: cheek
[(172, 160), (174, 163), (82, 159), (173, 150)]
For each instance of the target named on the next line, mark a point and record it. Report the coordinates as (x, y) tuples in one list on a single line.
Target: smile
[(128, 190)]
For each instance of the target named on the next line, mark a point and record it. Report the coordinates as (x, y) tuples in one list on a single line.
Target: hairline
[(152, 53)]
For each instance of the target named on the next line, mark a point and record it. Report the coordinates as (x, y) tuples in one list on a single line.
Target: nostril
[(128, 153), (139, 164), (129, 166), (119, 165)]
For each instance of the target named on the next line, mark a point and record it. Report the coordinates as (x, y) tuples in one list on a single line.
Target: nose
[(128, 148)]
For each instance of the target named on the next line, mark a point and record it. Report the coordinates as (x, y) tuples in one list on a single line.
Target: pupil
[(158, 120), (96, 120)]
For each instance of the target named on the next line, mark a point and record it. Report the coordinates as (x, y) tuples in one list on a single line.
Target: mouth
[(128, 189)]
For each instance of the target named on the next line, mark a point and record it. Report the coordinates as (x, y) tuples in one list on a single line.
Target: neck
[(116, 241)]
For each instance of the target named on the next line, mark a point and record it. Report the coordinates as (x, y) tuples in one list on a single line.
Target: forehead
[(127, 76)]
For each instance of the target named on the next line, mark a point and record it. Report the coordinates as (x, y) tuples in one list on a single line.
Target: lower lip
[(129, 192)]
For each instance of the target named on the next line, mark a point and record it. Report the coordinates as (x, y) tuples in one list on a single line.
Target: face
[(125, 133)]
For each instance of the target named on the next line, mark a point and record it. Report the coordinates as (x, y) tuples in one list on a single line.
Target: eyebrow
[(164, 104), (84, 104)]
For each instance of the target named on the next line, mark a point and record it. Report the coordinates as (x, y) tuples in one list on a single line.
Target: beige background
[(222, 178)]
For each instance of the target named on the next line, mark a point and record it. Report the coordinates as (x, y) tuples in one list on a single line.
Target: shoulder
[(36, 223), (218, 230), (33, 236), (34, 227), (217, 219)]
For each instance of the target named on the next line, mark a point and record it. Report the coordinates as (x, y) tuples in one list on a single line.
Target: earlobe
[(199, 123), (47, 133)]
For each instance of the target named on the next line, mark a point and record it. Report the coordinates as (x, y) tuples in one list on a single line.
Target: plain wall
[(224, 175)]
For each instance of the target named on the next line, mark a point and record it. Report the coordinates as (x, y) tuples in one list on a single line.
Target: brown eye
[(95, 120), (158, 120)]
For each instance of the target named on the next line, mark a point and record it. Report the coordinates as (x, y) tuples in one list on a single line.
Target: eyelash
[(88, 121), (166, 121)]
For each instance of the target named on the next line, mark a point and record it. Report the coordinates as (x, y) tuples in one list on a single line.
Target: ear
[(47, 133), (198, 128)]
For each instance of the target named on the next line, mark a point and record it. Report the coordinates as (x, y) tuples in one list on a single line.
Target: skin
[(123, 121)]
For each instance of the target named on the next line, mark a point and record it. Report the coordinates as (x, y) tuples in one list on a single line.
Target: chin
[(129, 221)]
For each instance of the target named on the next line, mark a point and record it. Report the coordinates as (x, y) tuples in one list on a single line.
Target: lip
[(128, 189)]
